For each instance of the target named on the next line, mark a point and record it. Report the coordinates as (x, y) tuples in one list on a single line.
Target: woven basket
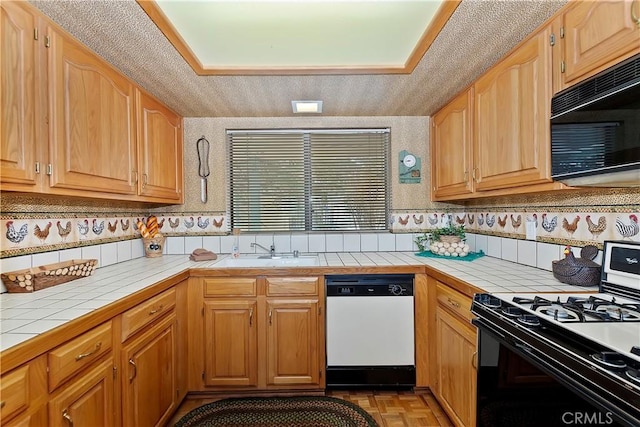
[(578, 271), (576, 275), (45, 276), (153, 246)]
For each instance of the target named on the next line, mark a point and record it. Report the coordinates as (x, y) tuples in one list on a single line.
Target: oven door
[(551, 388)]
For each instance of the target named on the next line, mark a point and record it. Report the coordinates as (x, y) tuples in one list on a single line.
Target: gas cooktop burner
[(581, 308), (619, 312)]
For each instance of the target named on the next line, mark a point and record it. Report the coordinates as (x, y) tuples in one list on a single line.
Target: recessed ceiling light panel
[(306, 106)]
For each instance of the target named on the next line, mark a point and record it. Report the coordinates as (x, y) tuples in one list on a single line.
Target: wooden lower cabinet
[(149, 391), (231, 343), (453, 353), (292, 342), (87, 400), (255, 337), (23, 395), (456, 355)]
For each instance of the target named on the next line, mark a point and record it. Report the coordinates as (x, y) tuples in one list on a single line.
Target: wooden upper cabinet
[(159, 149), (92, 138), (18, 155), (451, 147), (512, 110), (598, 34)]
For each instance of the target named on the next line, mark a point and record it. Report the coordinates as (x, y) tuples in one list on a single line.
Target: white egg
[(454, 245), (447, 253), (458, 249), (446, 245), (464, 253), (454, 254), (466, 248), (439, 244)]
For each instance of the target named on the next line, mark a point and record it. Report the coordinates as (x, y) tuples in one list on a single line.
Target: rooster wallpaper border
[(42, 232)]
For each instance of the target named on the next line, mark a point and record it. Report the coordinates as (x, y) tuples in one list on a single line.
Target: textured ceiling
[(477, 35)]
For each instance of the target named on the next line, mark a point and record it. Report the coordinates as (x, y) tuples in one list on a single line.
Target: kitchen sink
[(268, 261)]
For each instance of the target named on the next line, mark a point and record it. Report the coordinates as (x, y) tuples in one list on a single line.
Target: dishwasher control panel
[(369, 285)]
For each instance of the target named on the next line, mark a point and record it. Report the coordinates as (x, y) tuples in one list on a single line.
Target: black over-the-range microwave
[(595, 129)]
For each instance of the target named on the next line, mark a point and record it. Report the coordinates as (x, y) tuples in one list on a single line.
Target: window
[(309, 180)]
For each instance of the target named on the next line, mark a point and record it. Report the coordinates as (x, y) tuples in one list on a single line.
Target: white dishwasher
[(370, 330)]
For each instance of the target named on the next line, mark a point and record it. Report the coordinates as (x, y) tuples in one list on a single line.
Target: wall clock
[(409, 171)]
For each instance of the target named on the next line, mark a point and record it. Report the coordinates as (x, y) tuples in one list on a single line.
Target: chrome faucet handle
[(296, 253)]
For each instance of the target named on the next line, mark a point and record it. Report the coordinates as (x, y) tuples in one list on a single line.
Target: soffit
[(477, 35)]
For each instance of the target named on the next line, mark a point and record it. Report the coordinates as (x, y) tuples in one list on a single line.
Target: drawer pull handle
[(474, 360), (270, 317), (251, 317), (2, 404), (135, 370), (154, 311), (453, 303), (634, 17), (89, 353), (66, 416)]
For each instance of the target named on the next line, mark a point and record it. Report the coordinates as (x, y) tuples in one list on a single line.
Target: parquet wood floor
[(388, 408)]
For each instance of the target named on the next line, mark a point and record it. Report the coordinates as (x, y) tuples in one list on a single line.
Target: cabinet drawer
[(230, 286), (454, 301), (14, 392), (146, 312), (67, 359), (288, 286)]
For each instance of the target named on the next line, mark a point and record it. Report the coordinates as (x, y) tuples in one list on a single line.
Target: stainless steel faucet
[(271, 250)]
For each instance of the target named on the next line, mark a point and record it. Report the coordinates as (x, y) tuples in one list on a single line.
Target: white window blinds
[(308, 180)]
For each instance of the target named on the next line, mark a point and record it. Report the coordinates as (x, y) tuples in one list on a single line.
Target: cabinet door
[(92, 138), (599, 34), (88, 401), (19, 49), (455, 359), (292, 342), (230, 343), (159, 149), (149, 383), (513, 103), (451, 144)]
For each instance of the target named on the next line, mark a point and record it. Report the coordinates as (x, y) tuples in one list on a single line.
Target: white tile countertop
[(26, 315)]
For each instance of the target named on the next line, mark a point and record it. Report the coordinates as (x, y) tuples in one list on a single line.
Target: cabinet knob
[(155, 310)]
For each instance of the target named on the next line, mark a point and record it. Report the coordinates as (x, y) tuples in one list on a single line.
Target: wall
[(106, 231), (407, 133)]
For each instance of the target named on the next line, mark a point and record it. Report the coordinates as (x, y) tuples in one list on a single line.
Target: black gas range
[(586, 343)]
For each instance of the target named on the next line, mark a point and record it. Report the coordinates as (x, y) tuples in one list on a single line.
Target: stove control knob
[(396, 289)]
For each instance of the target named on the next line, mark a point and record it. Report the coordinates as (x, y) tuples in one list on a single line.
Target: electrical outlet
[(530, 227)]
